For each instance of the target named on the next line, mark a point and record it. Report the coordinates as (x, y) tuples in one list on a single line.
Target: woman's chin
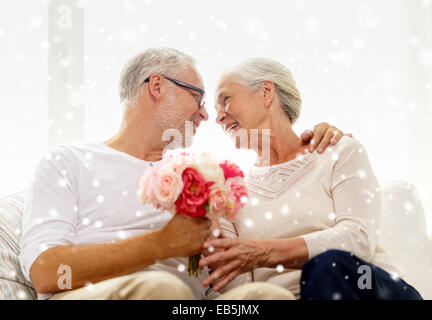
[(240, 138), (241, 142)]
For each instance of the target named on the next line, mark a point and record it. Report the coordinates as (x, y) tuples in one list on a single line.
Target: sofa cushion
[(13, 284)]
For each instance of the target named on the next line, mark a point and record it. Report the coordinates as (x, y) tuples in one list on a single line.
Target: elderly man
[(85, 235)]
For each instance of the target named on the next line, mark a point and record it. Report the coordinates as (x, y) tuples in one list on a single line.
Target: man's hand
[(216, 233), (184, 236), (322, 135)]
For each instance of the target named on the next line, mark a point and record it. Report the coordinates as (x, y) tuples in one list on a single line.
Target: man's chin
[(188, 140)]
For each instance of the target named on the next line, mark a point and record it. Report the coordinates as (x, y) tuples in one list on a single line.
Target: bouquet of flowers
[(196, 185)]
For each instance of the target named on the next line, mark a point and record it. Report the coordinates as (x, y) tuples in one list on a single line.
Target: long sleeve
[(357, 205)]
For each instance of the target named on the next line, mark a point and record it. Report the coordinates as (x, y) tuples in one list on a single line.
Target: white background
[(364, 66)]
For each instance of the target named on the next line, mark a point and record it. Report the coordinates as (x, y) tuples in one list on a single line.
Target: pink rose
[(238, 188), (217, 200), (231, 170), (196, 191), (146, 183), (236, 191), (168, 187)]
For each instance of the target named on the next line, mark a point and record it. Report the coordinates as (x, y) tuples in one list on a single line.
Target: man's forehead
[(193, 77)]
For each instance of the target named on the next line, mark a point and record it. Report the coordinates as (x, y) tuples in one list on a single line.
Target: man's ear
[(155, 86), (268, 91)]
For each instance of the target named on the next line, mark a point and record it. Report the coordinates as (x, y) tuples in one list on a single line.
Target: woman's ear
[(268, 91)]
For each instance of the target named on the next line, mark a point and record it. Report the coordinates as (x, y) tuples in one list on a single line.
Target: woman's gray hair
[(166, 61), (254, 71)]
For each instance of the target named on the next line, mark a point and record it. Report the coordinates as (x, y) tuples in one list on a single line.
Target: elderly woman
[(311, 221)]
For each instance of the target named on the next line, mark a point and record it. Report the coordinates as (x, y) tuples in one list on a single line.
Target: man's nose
[(203, 114)]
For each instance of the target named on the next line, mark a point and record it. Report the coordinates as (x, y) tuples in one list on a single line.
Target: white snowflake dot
[(89, 286), (361, 174), (61, 183), (249, 223), (121, 235), (100, 198), (395, 276), (285, 209), (254, 201), (53, 213), (268, 215), (216, 233), (98, 224), (279, 268), (181, 267), (408, 206), (336, 296)]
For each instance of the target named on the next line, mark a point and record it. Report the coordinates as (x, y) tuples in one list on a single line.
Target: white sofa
[(403, 233)]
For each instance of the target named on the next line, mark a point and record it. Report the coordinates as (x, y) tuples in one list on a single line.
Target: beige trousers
[(162, 285)]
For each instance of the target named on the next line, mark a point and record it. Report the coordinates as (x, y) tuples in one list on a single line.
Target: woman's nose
[(220, 117)]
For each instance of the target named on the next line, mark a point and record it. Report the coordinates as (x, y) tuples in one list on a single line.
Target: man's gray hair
[(254, 71), (166, 61)]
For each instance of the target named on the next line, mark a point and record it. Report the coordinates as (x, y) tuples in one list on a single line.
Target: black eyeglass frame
[(186, 85)]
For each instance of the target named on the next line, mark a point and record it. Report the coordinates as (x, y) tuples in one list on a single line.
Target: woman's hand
[(232, 257), (322, 135)]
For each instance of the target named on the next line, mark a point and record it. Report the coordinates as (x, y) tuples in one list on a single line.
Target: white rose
[(208, 167)]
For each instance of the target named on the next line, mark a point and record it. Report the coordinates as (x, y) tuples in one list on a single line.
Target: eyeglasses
[(200, 101)]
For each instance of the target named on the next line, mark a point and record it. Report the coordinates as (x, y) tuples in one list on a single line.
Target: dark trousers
[(340, 275)]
